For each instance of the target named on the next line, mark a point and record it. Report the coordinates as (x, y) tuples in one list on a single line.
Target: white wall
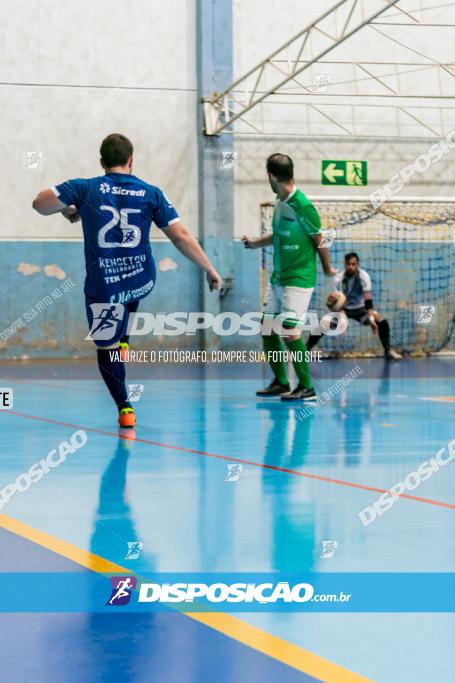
[(260, 27), (60, 72), (61, 67)]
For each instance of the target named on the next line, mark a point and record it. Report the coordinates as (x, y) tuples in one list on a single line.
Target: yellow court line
[(233, 627)]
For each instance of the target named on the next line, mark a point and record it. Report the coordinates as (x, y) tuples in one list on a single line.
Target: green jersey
[(294, 252)]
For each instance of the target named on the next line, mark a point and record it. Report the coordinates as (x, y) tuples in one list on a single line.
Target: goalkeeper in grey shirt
[(352, 295)]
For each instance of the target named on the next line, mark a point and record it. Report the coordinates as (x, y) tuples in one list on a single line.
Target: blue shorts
[(108, 323)]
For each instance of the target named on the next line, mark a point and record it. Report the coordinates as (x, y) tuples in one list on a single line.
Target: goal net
[(408, 248)]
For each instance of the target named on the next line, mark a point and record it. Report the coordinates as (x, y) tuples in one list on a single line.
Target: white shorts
[(292, 300)]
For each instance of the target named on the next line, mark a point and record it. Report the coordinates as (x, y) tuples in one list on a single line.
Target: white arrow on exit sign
[(331, 172)]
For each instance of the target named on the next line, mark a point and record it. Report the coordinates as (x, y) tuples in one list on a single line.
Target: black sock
[(384, 334), (114, 375), (313, 339), (131, 308)]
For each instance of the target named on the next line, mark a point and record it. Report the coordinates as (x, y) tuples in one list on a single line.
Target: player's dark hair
[(351, 255), (281, 166), (115, 150)]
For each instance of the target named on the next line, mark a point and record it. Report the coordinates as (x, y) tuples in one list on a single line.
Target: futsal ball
[(335, 301)]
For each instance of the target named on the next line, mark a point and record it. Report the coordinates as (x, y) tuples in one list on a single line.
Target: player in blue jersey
[(117, 210)]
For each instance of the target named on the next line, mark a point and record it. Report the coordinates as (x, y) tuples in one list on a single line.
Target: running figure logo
[(122, 587), (425, 314), (228, 160), (135, 392), (322, 81), (328, 549), (32, 160), (328, 237), (128, 236), (233, 472), (106, 319), (134, 550)]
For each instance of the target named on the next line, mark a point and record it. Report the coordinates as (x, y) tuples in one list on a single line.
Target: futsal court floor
[(302, 482)]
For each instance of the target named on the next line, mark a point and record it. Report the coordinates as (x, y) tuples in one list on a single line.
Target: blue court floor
[(303, 481)]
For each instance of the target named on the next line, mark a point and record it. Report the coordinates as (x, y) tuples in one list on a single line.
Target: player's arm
[(311, 222), (47, 203), (181, 238), (336, 288), (257, 242)]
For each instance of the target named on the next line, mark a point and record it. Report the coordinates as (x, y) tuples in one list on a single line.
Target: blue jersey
[(117, 210)]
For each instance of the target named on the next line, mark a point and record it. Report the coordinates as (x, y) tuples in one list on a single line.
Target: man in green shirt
[(296, 238)]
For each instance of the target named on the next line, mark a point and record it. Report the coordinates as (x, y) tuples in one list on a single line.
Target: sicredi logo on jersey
[(105, 188)]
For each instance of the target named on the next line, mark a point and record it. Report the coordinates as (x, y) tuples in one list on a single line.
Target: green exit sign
[(344, 172)]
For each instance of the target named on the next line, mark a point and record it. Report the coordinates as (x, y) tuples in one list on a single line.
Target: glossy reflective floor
[(168, 490)]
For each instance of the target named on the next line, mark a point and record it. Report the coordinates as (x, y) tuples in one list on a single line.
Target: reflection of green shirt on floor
[(294, 252)]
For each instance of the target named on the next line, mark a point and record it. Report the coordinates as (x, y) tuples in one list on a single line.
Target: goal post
[(408, 248)]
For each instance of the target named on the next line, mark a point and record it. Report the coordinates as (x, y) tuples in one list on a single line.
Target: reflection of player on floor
[(117, 210), (296, 238), (355, 284)]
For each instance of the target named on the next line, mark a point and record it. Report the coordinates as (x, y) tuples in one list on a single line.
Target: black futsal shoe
[(300, 394), (275, 388)]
